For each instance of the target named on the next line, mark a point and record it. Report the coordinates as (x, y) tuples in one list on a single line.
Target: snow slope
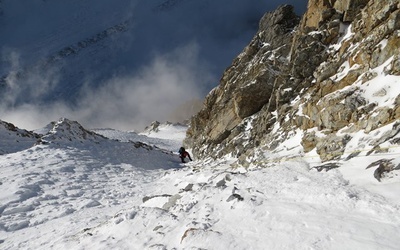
[(108, 194)]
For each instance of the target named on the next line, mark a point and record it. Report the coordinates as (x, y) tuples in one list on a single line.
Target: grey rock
[(291, 76)]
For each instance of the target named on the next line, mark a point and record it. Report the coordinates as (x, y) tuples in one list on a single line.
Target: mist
[(128, 102), (168, 54)]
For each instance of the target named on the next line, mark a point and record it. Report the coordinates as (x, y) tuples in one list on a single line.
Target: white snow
[(346, 32), (13, 140), (108, 194), (382, 89), (110, 189)]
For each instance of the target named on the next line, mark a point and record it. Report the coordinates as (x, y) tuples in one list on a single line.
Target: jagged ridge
[(14, 139), (65, 130), (318, 89)]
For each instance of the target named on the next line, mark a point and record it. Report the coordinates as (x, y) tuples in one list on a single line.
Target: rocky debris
[(192, 232), (384, 166), (235, 196), (332, 147), (309, 141), (390, 135), (352, 155), (153, 127), (223, 181), (138, 144), (327, 167), (188, 188), (147, 198)]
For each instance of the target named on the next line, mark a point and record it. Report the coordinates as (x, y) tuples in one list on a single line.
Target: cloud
[(26, 84), (165, 59), (151, 94), (127, 102)]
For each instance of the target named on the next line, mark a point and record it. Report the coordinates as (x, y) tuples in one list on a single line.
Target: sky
[(168, 54)]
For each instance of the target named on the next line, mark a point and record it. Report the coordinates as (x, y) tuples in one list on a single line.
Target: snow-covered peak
[(165, 135), (167, 130), (65, 130), (9, 127), (153, 127)]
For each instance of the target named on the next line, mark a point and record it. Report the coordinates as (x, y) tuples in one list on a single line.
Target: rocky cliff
[(325, 77)]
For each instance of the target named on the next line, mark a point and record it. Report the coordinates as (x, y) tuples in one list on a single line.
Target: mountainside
[(14, 139), (297, 148), (330, 79), (110, 189)]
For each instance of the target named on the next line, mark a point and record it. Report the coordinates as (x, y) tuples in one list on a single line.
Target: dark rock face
[(304, 75)]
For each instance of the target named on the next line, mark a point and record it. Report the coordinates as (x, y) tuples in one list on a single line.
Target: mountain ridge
[(297, 148), (14, 139), (334, 86)]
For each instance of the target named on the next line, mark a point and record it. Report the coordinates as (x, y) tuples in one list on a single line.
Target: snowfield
[(120, 190)]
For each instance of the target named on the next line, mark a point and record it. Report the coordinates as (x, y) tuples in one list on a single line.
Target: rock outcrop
[(67, 131), (14, 139), (307, 75), (247, 86)]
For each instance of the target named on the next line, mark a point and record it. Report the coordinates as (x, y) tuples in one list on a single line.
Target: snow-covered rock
[(167, 131), (13, 139), (65, 130)]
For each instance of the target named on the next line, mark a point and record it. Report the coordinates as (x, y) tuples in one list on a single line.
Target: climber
[(183, 154)]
